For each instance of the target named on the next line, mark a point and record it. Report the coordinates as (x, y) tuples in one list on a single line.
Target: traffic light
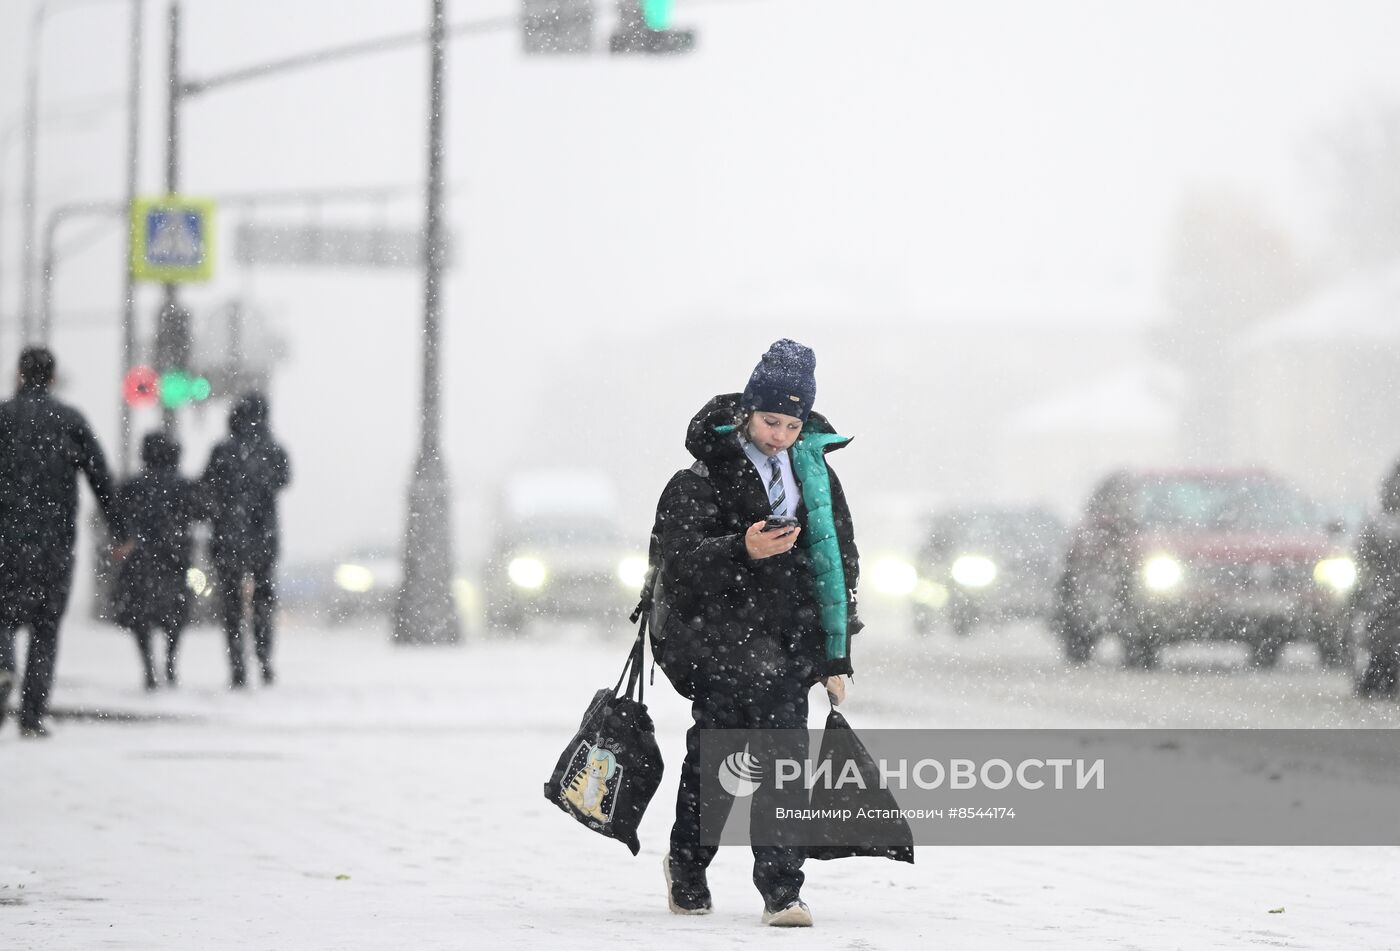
[(178, 388), (643, 26), (141, 387), (173, 388), (173, 343)]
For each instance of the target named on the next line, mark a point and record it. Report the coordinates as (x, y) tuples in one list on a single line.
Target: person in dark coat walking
[(44, 444), (241, 482), (1378, 593), (758, 614), (152, 588)]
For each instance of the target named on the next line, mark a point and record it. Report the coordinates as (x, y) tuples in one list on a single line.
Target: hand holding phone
[(773, 536)]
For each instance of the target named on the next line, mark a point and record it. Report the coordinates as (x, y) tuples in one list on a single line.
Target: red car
[(1167, 556)]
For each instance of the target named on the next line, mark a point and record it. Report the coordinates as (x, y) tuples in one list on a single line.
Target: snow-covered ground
[(386, 797)]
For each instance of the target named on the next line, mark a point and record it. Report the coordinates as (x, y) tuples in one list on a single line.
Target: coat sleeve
[(211, 484), (693, 543), (94, 466)]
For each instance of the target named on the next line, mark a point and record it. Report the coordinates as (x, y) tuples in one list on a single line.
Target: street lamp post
[(425, 612), (29, 198)]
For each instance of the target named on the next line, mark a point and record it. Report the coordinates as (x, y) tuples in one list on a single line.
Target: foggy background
[(1028, 241)]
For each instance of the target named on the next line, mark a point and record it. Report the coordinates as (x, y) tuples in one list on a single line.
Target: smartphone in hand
[(779, 523)]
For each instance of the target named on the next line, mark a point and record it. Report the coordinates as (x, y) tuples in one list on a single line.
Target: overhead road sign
[(173, 239), (331, 245)]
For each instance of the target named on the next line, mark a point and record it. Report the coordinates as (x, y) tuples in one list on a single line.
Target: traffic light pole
[(169, 311), (133, 161), (425, 612)]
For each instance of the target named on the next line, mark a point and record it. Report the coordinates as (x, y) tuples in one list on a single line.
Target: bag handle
[(632, 667)]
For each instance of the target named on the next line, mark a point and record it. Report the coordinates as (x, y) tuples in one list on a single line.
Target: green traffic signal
[(178, 388), (174, 389), (657, 13)]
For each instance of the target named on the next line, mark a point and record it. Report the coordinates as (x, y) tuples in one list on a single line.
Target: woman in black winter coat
[(160, 506), (753, 614)]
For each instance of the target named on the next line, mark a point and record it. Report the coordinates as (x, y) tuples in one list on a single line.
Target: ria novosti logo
[(740, 774)]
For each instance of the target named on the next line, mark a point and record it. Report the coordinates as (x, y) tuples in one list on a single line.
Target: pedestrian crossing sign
[(172, 239)]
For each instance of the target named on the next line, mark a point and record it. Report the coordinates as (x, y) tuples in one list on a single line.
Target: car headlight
[(197, 581), (528, 573), (974, 571), (1339, 574), (893, 576), (1162, 573), (356, 579), (632, 572)]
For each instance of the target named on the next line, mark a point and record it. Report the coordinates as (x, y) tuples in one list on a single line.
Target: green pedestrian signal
[(644, 26), (178, 388), (657, 13)]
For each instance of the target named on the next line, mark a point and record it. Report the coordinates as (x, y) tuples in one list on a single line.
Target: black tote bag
[(609, 771), (889, 838)]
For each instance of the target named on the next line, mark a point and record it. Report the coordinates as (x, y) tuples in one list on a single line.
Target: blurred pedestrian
[(758, 569), (244, 475), (44, 444), (153, 592), (1378, 592)]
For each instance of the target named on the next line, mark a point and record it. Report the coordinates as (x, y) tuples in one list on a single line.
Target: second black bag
[(889, 838)]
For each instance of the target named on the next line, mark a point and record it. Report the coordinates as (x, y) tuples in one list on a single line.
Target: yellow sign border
[(143, 270)]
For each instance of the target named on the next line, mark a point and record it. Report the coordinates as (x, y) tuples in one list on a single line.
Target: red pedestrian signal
[(141, 387)]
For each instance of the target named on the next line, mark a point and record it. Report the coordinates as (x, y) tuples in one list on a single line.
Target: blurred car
[(985, 565), (365, 582), (305, 587), (576, 567), (559, 551), (1167, 556)]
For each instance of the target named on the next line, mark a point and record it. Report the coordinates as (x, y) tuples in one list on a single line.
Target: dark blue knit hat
[(785, 381)]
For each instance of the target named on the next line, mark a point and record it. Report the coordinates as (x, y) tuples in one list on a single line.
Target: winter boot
[(792, 913), (686, 899), (34, 731)]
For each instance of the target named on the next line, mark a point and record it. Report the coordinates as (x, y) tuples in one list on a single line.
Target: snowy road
[(384, 798), (1014, 677)]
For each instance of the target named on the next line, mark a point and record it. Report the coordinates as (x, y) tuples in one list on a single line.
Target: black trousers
[(264, 597), (148, 660), (44, 611), (780, 704)]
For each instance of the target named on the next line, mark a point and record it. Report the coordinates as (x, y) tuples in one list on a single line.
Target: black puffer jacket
[(44, 444), (733, 620), (160, 506), (240, 484)]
